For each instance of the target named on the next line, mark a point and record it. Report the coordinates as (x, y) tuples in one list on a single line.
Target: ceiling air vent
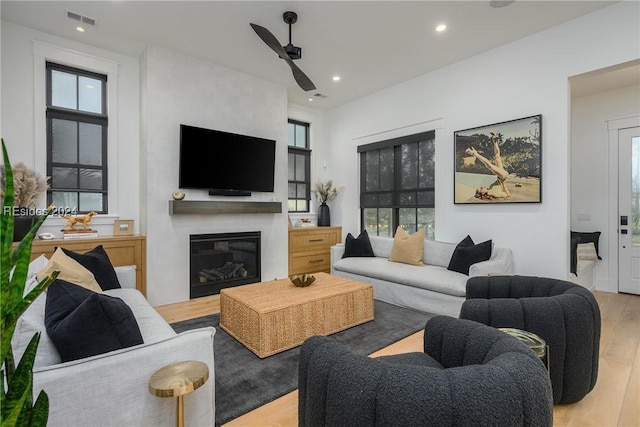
[(80, 18), (319, 95)]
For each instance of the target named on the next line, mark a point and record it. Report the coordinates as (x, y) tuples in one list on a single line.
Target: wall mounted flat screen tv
[(227, 162)]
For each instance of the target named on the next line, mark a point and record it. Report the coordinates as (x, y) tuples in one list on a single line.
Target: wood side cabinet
[(122, 250), (309, 248)]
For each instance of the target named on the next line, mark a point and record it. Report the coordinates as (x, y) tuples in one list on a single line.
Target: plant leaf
[(19, 386), (40, 411)]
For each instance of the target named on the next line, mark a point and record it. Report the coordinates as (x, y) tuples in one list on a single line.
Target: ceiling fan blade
[(301, 78), (270, 40)]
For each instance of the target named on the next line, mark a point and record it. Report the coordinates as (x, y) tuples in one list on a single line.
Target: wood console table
[(309, 248), (122, 250)]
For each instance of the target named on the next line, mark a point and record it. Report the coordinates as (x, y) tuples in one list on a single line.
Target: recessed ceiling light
[(336, 78), (440, 28), (80, 29), (310, 99)]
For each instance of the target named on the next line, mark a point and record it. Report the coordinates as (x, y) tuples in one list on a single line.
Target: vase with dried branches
[(325, 191), (29, 187)]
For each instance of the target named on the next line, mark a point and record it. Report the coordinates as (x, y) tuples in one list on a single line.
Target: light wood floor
[(615, 400)]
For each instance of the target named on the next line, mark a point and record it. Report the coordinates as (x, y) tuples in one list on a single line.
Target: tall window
[(397, 185), (76, 139), (299, 166)]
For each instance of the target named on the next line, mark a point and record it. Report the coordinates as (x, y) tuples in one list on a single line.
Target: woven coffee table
[(271, 317)]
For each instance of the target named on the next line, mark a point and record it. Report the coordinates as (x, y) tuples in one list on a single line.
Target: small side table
[(533, 341), (178, 379)]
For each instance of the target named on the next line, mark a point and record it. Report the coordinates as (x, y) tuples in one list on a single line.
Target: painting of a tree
[(499, 163)]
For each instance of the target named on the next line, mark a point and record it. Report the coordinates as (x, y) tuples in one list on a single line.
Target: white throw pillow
[(587, 251)]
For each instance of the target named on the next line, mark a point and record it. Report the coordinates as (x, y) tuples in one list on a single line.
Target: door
[(629, 210)]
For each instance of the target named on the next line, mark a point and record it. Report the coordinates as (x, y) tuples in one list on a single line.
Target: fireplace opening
[(223, 260)]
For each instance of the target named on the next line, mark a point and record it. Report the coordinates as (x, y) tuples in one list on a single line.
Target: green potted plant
[(28, 188), (17, 407)]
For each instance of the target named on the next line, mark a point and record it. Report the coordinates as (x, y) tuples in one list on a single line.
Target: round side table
[(178, 379)]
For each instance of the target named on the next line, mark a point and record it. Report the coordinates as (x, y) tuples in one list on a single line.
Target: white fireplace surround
[(179, 89)]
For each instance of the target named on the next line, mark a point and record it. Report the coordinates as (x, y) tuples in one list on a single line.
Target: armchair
[(469, 374), (564, 314)]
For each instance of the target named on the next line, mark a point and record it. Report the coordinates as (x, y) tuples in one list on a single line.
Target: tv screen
[(215, 160)]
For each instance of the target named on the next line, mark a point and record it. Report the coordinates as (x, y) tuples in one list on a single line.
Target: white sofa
[(112, 389), (430, 287)]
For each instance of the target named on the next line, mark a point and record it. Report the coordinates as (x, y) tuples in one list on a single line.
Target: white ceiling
[(371, 45)]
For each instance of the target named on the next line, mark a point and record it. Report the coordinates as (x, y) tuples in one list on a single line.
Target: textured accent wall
[(175, 89)]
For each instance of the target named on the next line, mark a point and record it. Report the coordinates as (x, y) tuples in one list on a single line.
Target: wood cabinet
[(122, 250), (309, 248)]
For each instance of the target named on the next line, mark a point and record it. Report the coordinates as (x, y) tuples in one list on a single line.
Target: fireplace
[(223, 260)]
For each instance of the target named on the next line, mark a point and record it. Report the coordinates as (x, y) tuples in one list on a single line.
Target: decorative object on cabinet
[(325, 192), (123, 227)]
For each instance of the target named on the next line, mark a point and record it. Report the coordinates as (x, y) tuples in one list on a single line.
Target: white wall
[(590, 168), (520, 79), (319, 151), (24, 121), (179, 89)]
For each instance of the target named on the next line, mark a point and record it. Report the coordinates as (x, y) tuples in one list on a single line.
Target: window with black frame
[(397, 185), (76, 139), (299, 180)]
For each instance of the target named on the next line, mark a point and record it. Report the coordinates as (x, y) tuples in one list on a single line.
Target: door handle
[(624, 220)]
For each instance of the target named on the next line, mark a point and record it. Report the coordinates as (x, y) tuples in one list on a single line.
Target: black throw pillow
[(467, 253), (97, 261), (82, 323), (360, 247), (574, 254), (593, 237)]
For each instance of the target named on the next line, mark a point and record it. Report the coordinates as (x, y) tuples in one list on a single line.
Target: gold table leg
[(176, 380)]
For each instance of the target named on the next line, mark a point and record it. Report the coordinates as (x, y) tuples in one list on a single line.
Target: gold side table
[(178, 379)]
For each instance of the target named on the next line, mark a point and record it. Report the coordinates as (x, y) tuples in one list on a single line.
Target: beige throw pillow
[(407, 248), (70, 270), (587, 251)]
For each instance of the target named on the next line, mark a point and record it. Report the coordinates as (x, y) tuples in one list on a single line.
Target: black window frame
[(306, 152), (79, 116), (395, 193)]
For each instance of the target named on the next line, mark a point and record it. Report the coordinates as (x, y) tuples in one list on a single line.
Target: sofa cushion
[(70, 270), (430, 277), (407, 248), (586, 251), (36, 265), (152, 325), (438, 253), (82, 323), (467, 253), (358, 247), (97, 261)]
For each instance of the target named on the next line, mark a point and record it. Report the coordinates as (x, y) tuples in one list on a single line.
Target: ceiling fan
[(288, 52)]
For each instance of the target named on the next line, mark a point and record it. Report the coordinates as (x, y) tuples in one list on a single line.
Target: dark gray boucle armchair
[(469, 374), (564, 314)]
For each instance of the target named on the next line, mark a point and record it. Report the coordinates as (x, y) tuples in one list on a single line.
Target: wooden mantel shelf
[(210, 207)]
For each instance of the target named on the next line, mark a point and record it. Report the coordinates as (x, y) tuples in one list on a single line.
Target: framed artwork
[(499, 163), (123, 227)]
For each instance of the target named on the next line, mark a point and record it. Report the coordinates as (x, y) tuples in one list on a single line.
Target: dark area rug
[(245, 382)]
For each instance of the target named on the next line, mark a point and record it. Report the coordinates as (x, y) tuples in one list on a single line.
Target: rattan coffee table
[(271, 317)]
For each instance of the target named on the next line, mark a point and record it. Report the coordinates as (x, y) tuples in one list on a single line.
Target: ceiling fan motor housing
[(294, 52)]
